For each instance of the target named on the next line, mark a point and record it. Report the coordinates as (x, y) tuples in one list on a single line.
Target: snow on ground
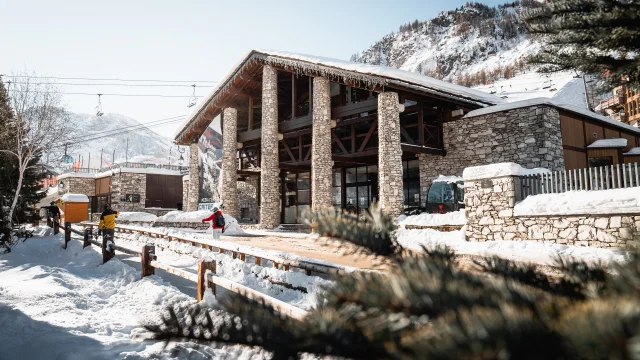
[(525, 251), (426, 219), (614, 201), (137, 216), (65, 304), (529, 85), (231, 228)]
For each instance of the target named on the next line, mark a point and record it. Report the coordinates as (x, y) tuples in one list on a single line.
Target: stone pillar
[(194, 178), (389, 154), (185, 192), (229, 195), (269, 163), (321, 164)]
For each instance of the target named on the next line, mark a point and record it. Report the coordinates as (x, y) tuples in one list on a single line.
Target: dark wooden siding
[(631, 140), (574, 159), (103, 185), (632, 159), (613, 153), (592, 129), (572, 131), (611, 134), (164, 191)]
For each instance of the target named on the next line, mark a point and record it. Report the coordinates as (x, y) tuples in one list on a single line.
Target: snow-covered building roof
[(608, 143), (549, 102), (339, 70), (633, 151)]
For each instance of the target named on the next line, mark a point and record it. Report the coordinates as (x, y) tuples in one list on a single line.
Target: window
[(600, 161), (411, 183), (336, 199)]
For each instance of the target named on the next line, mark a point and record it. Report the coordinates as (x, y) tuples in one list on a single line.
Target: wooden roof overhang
[(246, 79)]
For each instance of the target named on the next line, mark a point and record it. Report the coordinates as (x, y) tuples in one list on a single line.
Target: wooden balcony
[(615, 102)]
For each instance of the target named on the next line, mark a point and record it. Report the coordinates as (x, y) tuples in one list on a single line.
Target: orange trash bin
[(75, 208)]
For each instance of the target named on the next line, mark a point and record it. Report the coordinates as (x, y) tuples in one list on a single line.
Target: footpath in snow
[(65, 304)]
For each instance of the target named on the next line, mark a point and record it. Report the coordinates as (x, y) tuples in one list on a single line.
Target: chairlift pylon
[(192, 98), (99, 107)]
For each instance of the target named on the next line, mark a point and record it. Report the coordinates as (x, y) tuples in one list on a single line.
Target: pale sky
[(181, 40)]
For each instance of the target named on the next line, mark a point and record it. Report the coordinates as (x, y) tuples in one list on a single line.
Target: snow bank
[(525, 251), (498, 170), (448, 179), (79, 198), (633, 151), (232, 228), (137, 217), (608, 143), (425, 219), (615, 201)]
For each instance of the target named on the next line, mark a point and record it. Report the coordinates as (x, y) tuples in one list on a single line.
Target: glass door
[(361, 188), (297, 197)]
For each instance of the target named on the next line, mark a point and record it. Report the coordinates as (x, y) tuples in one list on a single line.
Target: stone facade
[(185, 191), (229, 195), (321, 163), (128, 183), (490, 216), (78, 185), (248, 200), (269, 164), (194, 180), (390, 188), (528, 136)]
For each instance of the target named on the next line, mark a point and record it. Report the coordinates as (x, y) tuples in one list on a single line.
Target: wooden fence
[(277, 261), (597, 178), (206, 277)]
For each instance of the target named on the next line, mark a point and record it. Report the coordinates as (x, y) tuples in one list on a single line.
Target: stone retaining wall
[(529, 136), (489, 210), (78, 185)]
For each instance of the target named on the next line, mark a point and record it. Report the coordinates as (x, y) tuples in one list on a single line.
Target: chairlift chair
[(192, 98), (99, 107)]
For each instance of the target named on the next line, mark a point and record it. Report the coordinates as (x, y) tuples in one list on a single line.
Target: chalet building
[(302, 132), (127, 187), (622, 105)]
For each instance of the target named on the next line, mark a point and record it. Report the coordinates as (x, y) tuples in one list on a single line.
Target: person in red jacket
[(217, 223)]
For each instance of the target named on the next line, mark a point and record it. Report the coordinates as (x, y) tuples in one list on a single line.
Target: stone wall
[(229, 194), (248, 200), (185, 192), (78, 185), (528, 136), (389, 155), (194, 180), (489, 210), (321, 163), (128, 183), (269, 159)]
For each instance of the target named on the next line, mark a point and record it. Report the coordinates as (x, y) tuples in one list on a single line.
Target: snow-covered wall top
[(552, 103), (498, 170), (448, 179), (609, 143), (633, 151), (341, 70), (615, 201), (78, 198)]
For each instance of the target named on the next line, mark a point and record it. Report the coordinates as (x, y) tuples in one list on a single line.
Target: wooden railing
[(278, 262), (597, 178), (206, 271)]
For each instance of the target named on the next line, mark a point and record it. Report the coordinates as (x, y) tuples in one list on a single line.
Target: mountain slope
[(111, 132), (476, 46)]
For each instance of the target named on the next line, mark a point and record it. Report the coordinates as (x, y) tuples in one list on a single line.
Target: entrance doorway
[(296, 197), (361, 188)]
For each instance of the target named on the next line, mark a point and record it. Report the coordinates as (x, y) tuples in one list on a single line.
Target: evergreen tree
[(429, 307), (592, 36)]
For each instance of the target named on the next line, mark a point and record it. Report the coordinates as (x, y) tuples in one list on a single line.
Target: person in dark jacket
[(217, 223), (53, 213)]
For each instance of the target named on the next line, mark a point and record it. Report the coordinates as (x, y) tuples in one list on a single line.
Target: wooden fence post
[(67, 234), (56, 226), (203, 266), (87, 237), (148, 255), (107, 253)]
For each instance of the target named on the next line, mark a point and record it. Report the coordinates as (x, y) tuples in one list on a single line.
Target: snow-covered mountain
[(109, 132), (476, 46)]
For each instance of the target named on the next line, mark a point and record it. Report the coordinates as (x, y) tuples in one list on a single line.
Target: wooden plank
[(295, 124), (373, 127), (203, 266), (175, 271), (335, 139), (411, 148), (286, 147), (250, 123), (354, 108), (280, 306)]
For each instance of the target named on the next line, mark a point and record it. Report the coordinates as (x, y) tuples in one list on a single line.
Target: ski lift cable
[(94, 84), (113, 79), (108, 94)]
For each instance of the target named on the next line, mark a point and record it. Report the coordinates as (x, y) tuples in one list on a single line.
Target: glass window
[(362, 174), (304, 181), (600, 161), (350, 175), (441, 192), (337, 178)]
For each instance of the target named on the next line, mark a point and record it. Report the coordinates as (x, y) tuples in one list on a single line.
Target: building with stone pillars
[(313, 132), (194, 180), (229, 186), (321, 171)]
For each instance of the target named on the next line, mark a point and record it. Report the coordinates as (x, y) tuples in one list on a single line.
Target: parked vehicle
[(445, 196)]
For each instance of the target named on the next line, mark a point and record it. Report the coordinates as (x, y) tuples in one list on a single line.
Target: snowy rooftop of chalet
[(552, 103), (382, 75), (608, 143)]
